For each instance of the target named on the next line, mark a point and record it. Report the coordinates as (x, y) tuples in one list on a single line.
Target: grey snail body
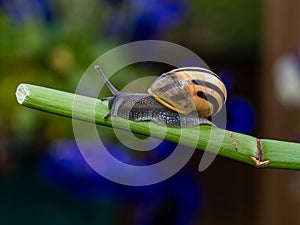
[(149, 107)]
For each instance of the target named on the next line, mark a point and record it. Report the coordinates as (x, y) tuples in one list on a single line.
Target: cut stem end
[(22, 93)]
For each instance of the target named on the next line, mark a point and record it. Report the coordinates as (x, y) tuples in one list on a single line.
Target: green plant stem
[(236, 146)]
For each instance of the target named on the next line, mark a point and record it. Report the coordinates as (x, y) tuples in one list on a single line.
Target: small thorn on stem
[(259, 163), (231, 136), (236, 146)]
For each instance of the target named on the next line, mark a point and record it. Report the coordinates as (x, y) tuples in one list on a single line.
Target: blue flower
[(31, 10), (142, 19), (240, 111), (64, 168), (240, 115)]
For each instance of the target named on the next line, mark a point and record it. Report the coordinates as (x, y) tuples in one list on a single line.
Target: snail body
[(183, 97)]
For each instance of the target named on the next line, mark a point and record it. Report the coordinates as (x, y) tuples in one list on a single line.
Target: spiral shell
[(188, 89)]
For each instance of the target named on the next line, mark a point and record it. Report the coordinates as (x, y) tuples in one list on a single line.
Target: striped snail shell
[(189, 88)]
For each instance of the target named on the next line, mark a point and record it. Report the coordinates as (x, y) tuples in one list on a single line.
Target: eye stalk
[(111, 87)]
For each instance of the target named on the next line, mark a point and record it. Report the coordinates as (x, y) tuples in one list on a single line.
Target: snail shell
[(188, 89)]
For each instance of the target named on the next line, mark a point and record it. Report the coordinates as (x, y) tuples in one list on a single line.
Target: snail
[(183, 97)]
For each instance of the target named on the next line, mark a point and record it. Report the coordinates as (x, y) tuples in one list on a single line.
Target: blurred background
[(253, 45)]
